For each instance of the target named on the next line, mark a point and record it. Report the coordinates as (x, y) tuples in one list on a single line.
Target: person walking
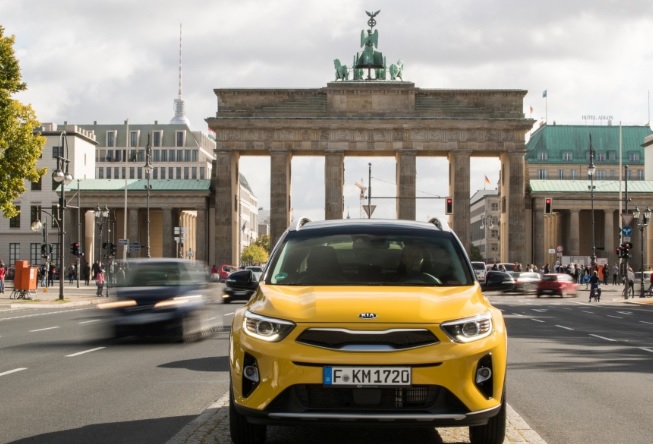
[(87, 273), (51, 270), (99, 282), (3, 272), (43, 273), (615, 274)]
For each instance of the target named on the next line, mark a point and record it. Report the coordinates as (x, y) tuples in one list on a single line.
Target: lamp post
[(37, 226), (641, 224), (101, 217), (148, 172), (62, 176), (486, 220), (591, 169)]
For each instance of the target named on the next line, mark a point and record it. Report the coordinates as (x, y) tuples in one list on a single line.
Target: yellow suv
[(375, 322)]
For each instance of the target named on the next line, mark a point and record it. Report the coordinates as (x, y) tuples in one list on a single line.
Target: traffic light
[(72, 248), (76, 248), (448, 205), (112, 249), (44, 250), (548, 203), (626, 246), (620, 252)]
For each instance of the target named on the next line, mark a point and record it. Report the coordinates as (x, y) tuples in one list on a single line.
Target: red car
[(560, 284)]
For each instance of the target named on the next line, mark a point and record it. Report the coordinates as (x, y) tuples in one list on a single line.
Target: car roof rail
[(438, 224), (301, 222)]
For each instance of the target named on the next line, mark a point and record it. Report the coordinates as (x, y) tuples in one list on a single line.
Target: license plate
[(367, 376)]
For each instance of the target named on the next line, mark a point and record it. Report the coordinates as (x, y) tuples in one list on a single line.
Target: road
[(581, 372), (63, 381)]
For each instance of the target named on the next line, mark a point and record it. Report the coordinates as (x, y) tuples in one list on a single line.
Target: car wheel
[(226, 300), (494, 432), (190, 328), (242, 432)]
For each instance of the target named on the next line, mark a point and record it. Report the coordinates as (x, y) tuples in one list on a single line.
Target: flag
[(531, 110), (544, 93), (487, 181)]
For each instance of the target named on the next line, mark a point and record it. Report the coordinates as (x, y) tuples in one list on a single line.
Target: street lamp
[(62, 176), (148, 172), (486, 220), (101, 217), (37, 226), (591, 169), (641, 224)]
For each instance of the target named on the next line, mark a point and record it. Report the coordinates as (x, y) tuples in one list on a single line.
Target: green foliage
[(264, 242), (20, 146), (475, 254), (253, 254)]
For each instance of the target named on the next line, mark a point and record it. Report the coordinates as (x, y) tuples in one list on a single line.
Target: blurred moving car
[(258, 271), (239, 286), (368, 322), (498, 281), (560, 284), (525, 281), (224, 270), (480, 270), (160, 297)]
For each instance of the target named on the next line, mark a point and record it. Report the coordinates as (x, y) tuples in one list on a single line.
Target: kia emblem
[(367, 315)]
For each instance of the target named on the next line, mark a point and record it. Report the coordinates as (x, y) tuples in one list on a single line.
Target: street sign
[(627, 218), (551, 251), (626, 239), (627, 231), (369, 209), (123, 241)]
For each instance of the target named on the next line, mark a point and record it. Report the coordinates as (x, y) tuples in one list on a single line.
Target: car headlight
[(469, 329), (265, 328)]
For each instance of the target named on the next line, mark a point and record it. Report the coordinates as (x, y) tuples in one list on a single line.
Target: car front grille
[(368, 340)]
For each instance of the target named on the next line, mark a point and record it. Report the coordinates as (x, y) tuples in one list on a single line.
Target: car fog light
[(251, 373), (483, 374)]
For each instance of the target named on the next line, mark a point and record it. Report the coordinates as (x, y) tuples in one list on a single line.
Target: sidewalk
[(50, 298), (614, 293)]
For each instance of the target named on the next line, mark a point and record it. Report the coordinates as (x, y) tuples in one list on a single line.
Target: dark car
[(560, 284), (498, 281), (239, 286), (160, 297), (525, 281)]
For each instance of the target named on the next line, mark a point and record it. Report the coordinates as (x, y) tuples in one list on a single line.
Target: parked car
[(368, 322), (160, 297), (239, 286), (525, 281), (560, 284), (479, 269), (258, 271), (498, 281)]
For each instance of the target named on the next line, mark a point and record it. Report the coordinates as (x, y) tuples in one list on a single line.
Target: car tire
[(242, 432), (190, 328), (494, 432)]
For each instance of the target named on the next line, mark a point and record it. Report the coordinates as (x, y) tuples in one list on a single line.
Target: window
[(180, 155), (195, 156), (157, 137), (171, 155), (101, 155), (178, 172), (612, 156), (124, 173), (163, 172), (633, 157), (133, 138), (14, 222), (171, 173), (629, 174), (108, 172), (640, 174), (574, 174), (600, 175), (542, 155), (118, 155), (180, 138), (34, 253), (600, 157), (100, 173), (155, 173), (186, 173), (139, 172), (542, 174), (56, 219), (57, 151), (567, 156), (186, 155), (109, 155), (561, 174), (38, 185), (111, 138), (156, 156), (201, 172), (612, 175), (34, 213), (14, 253), (193, 173), (131, 172), (116, 172), (164, 155)]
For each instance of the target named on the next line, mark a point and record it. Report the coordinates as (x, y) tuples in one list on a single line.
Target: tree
[(475, 253), (20, 145), (264, 242), (253, 254)]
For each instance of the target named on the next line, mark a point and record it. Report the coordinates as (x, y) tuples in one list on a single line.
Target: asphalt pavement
[(212, 426)]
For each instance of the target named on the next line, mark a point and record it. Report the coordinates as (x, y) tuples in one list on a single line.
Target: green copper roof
[(139, 184), (556, 140), (582, 186)]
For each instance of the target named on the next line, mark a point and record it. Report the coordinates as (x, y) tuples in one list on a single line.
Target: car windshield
[(367, 258), (161, 274)]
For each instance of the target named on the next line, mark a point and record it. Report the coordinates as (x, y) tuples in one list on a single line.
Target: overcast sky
[(112, 60)]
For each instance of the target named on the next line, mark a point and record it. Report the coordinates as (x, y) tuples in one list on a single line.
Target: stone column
[(334, 179), (280, 204), (513, 193), (540, 232), (459, 190), (225, 180), (574, 233), (132, 229), (168, 241), (406, 170), (201, 236), (609, 243)]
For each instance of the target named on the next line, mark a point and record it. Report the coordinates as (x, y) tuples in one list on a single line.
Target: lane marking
[(603, 337), (625, 312), (616, 317), (42, 314), (566, 328), (537, 320), (646, 322), (84, 352), (13, 371), (650, 350), (88, 322), (586, 311), (43, 329)]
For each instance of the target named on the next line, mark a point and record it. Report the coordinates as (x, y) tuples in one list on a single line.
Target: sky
[(115, 60)]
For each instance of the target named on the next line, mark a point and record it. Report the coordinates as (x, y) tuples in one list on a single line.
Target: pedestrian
[(606, 273), (649, 292), (87, 273), (43, 273), (615, 274), (99, 282), (3, 272), (51, 270)]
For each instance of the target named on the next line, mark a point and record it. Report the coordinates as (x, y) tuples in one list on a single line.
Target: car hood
[(334, 304)]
